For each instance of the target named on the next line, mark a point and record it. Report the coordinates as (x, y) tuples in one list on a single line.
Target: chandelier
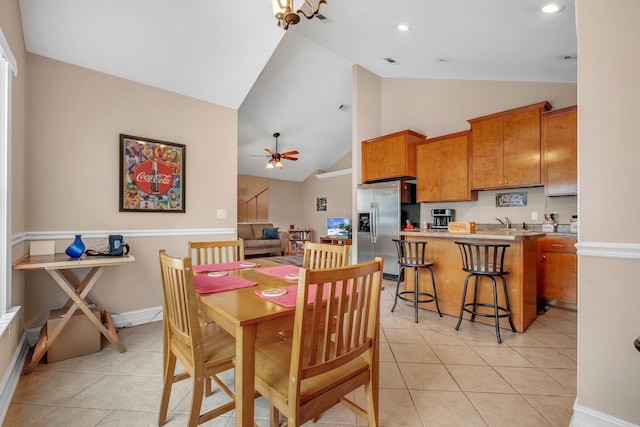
[(284, 11)]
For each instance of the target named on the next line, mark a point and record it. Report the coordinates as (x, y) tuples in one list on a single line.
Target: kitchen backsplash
[(484, 210)]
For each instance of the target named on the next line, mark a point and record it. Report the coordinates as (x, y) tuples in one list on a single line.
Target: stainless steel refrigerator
[(379, 215)]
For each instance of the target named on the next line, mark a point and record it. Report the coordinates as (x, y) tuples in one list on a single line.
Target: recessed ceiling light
[(404, 27), (552, 8)]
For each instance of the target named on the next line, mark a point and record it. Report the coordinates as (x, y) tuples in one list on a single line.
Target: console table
[(60, 267), (336, 240)]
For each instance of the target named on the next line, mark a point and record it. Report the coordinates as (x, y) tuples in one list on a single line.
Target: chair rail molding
[(103, 234)]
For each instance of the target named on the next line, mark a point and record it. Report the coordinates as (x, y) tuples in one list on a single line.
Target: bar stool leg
[(397, 289), (495, 309), (475, 298), (506, 302), (415, 291), (435, 291), (464, 297)]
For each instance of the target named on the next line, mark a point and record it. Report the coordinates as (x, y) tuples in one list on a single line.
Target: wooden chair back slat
[(324, 255), (216, 252)]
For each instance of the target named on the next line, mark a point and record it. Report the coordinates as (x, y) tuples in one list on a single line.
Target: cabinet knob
[(544, 257)]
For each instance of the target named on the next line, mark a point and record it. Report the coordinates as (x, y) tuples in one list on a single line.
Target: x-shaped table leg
[(78, 292)]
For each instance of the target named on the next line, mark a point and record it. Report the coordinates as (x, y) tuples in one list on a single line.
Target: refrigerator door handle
[(374, 222)]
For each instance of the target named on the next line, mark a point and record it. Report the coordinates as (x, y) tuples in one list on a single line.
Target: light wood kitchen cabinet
[(557, 271), (506, 148), (560, 151), (443, 169), (390, 157)]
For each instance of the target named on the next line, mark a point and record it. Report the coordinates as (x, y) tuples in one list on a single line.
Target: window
[(7, 62)]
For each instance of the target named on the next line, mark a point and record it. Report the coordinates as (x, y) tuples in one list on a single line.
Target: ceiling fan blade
[(290, 158), (289, 153), (260, 155), (269, 151)]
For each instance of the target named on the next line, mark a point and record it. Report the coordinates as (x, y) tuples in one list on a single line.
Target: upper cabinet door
[(443, 169), (390, 157), (486, 154), (560, 151), (429, 179), (455, 168), (522, 164)]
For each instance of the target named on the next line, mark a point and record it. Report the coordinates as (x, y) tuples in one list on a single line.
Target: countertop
[(483, 234)]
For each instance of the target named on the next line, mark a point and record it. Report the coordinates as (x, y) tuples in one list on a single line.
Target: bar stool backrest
[(412, 252), (483, 258)]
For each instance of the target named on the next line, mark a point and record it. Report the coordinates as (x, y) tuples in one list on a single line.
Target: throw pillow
[(270, 233)]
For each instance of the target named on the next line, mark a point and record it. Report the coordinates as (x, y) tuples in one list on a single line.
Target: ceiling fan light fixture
[(269, 165), (279, 165), (284, 12)]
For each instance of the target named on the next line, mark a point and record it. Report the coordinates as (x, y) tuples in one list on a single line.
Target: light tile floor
[(430, 375)]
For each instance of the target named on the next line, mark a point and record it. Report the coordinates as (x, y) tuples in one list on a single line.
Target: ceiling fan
[(276, 158)]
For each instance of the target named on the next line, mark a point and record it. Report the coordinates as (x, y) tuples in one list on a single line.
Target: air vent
[(390, 60), (570, 57), (344, 107), (321, 17)]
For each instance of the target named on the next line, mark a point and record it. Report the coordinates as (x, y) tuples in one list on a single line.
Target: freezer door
[(387, 199), (365, 227)]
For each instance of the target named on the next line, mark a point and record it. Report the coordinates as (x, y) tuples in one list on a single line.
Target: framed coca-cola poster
[(151, 175)]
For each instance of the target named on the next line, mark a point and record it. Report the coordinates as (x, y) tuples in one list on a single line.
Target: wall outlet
[(221, 214), (534, 216)]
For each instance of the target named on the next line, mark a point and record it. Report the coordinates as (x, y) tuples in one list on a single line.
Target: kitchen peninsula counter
[(520, 260)]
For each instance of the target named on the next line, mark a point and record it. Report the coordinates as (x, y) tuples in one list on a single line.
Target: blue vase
[(75, 249)]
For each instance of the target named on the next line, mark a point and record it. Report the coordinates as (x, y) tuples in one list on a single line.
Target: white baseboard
[(121, 320), (587, 417), (11, 377)]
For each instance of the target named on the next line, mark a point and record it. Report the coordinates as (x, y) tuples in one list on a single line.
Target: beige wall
[(608, 175), (75, 118), (285, 201)]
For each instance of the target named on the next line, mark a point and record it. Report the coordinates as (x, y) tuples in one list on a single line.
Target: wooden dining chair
[(216, 252), (203, 350), (324, 255), (334, 349)]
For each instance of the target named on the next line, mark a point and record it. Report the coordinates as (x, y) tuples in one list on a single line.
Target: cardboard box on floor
[(78, 337)]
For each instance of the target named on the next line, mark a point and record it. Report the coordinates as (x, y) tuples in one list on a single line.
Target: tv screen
[(338, 227)]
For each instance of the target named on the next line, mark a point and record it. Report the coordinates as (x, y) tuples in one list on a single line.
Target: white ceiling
[(232, 53)]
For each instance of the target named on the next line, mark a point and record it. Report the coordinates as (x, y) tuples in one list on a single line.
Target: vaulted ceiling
[(293, 82)]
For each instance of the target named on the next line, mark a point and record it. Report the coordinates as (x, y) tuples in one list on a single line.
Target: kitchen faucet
[(505, 222)]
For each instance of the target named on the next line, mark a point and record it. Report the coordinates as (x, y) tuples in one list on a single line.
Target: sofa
[(253, 234)]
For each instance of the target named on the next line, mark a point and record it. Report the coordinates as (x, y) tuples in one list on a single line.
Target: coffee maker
[(442, 217)]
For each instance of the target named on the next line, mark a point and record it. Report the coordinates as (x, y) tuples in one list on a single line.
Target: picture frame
[(518, 199), (321, 203), (152, 175)]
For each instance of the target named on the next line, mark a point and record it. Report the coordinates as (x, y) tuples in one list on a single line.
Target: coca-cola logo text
[(153, 177)]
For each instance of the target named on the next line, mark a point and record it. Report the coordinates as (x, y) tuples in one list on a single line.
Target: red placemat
[(280, 270), (289, 298), (206, 284), (223, 266)]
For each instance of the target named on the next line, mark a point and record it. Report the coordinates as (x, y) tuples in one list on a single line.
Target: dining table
[(250, 317)]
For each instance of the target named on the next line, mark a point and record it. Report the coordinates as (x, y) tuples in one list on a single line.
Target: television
[(338, 227)]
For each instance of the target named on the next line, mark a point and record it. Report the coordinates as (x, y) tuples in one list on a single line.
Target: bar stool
[(412, 253), (485, 260)]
